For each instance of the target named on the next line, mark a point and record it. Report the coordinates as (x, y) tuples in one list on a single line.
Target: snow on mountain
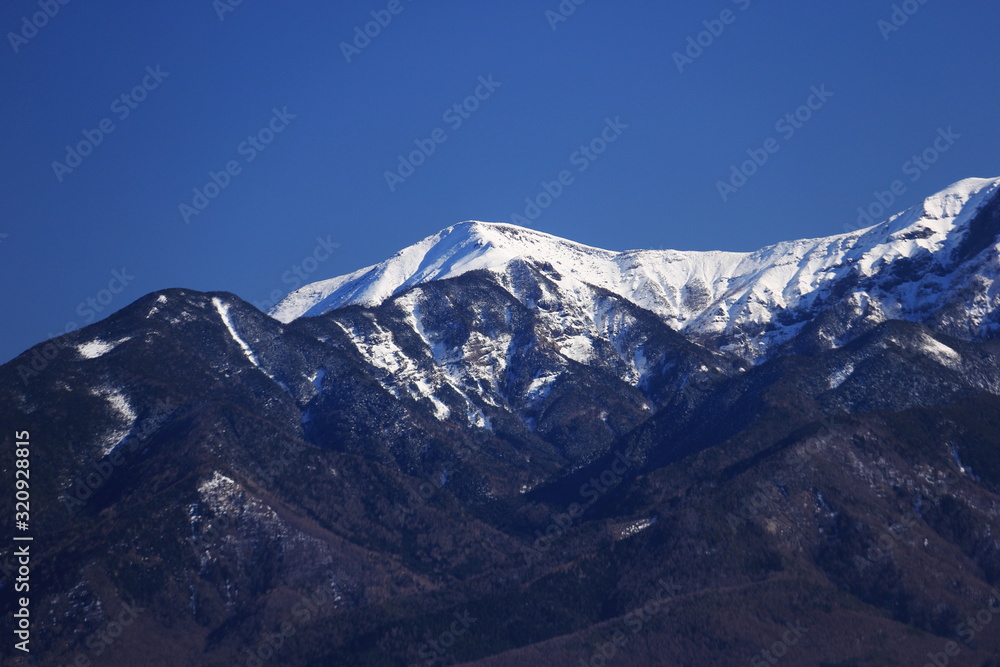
[(747, 302)]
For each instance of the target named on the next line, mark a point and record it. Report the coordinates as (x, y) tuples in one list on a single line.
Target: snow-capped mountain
[(502, 425), (926, 264)]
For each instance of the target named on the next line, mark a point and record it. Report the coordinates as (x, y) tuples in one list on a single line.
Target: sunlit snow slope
[(918, 265)]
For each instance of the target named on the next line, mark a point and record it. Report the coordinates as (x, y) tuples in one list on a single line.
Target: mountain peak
[(904, 265), (466, 246)]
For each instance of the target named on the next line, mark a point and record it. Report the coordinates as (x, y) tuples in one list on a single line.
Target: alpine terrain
[(498, 447)]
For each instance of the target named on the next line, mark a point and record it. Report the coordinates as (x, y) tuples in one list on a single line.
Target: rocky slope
[(498, 447)]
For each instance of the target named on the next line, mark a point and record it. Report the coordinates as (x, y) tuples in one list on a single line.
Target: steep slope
[(938, 257), (533, 439), (575, 373), (794, 496)]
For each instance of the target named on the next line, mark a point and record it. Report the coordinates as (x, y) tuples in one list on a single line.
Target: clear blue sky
[(323, 175)]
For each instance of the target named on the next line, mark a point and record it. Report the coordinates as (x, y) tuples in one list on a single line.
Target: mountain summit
[(561, 446), (921, 265)]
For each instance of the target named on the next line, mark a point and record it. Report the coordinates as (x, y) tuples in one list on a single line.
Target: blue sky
[(266, 91)]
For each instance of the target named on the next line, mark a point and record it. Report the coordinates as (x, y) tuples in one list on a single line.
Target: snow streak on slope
[(223, 310), (764, 297), (402, 374), (441, 371)]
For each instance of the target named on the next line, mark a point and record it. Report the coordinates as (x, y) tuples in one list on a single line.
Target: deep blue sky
[(323, 176)]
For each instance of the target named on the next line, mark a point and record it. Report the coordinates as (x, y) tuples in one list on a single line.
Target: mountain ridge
[(738, 299), (532, 450)]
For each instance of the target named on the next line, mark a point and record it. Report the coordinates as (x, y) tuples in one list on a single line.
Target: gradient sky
[(323, 175)]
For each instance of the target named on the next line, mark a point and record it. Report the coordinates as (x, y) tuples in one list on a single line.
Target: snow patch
[(441, 410), (540, 387), (317, 379), (218, 483), (98, 347), (156, 306), (578, 348), (122, 409), (838, 377), (939, 351), (635, 527)]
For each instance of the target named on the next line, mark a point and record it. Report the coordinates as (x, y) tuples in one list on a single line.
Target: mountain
[(939, 253), (498, 447)]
